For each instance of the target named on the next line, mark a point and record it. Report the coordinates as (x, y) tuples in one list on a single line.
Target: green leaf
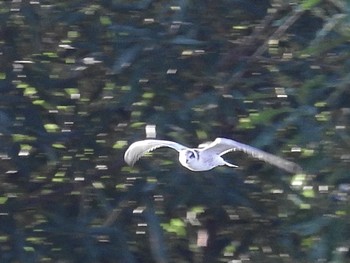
[(51, 127), (3, 200), (308, 4), (58, 146), (176, 226), (22, 138), (105, 20), (120, 144)]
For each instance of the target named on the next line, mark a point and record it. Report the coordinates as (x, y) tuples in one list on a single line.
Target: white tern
[(207, 157)]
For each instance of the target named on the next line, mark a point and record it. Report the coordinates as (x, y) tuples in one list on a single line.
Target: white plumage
[(208, 157)]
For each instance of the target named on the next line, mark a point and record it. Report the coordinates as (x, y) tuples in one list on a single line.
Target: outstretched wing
[(221, 146), (139, 148)]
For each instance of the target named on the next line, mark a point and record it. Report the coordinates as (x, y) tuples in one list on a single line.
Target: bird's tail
[(230, 164)]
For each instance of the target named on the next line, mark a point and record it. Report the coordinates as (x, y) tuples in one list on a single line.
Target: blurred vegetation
[(81, 80)]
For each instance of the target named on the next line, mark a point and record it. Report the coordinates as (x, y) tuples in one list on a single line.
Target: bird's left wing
[(221, 146), (139, 148)]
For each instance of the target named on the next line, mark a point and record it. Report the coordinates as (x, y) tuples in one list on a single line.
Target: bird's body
[(207, 157), (203, 161)]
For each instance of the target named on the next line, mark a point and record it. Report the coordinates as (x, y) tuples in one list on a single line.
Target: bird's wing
[(139, 148), (221, 146)]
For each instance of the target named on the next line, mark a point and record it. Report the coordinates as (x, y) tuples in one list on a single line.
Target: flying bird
[(207, 157)]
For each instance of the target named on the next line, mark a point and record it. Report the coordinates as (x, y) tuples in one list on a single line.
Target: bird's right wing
[(139, 148), (222, 145)]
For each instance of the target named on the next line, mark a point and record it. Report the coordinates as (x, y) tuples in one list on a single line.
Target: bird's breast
[(203, 163)]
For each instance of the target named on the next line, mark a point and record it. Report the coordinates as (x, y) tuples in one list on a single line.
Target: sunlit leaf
[(51, 127), (58, 146), (22, 138), (120, 144), (176, 226), (3, 200)]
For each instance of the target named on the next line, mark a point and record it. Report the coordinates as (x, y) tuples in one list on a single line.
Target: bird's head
[(188, 157)]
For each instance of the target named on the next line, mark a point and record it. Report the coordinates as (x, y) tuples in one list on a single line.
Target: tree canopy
[(82, 80)]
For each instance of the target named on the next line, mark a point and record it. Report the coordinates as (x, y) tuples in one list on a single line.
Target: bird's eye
[(191, 155)]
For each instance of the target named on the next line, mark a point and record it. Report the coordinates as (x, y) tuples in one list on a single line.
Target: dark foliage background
[(81, 80)]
